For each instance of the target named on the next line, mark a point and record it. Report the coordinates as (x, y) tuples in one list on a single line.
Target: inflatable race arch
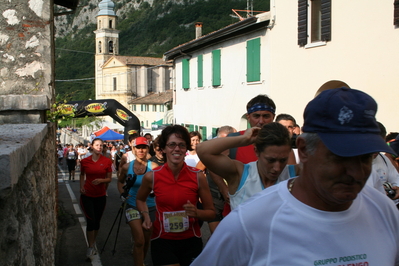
[(103, 107)]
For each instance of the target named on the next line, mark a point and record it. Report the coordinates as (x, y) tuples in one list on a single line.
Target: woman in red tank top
[(176, 238)]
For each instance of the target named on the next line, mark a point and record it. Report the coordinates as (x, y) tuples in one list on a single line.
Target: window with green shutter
[(216, 70), (253, 60), (203, 133), (190, 128), (214, 131), (186, 74), (200, 75)]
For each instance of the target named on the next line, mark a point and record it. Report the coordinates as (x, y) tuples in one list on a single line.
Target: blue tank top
[(131, 200)]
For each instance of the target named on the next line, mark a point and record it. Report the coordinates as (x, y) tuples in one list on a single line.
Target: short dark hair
[(272, 134), (261, 98), (179, 131), (155, 143), (133, 136), (285, 117), (225, 129), (195, 133), (96, 139), (382, 129), (391, 136)]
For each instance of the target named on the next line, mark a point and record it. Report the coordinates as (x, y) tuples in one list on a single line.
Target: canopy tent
[(159, 122), (101, 131), (113, 126), (111, 135)]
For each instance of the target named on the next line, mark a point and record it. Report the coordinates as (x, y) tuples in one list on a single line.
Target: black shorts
[(183, 252), (71, 165)]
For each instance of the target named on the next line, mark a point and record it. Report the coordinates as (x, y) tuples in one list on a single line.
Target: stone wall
[(27, 142), (28, 185), (68, 137)]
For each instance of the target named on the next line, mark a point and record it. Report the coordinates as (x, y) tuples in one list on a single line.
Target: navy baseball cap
[(344, 119)]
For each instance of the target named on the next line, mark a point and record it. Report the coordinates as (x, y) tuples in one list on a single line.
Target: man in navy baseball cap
[(344, 119)]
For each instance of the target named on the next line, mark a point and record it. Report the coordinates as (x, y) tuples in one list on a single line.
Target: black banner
[(103, 107)]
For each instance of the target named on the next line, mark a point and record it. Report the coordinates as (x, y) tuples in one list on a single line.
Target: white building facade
[(212, 83), (288, 53)]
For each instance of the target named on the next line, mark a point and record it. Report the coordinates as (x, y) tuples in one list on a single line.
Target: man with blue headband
[(260, 111)]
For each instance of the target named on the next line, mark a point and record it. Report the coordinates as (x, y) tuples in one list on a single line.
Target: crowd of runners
[(325, 192)]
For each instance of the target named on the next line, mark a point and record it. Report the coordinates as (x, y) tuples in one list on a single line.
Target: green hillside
[(148, 31)]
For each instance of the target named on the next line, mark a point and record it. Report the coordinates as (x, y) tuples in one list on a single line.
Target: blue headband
[(260, 107)]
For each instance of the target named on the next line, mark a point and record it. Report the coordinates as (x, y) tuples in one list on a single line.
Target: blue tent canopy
[(110, 135)]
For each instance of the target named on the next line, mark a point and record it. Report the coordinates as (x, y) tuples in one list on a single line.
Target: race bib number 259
[(175, 222)]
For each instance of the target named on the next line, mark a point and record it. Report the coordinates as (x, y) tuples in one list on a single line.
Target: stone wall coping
[(18, 145), (24, 102)]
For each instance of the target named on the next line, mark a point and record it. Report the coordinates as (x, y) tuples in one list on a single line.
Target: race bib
[(175, 222), (132, 214)]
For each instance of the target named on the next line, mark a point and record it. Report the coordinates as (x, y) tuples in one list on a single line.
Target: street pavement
[(71, 241)]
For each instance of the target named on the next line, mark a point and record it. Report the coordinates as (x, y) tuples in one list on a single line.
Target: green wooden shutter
[(190, 128), (203, 133), (200, 71), (253, 60), (186, 74), (214, 131), (216, 73)]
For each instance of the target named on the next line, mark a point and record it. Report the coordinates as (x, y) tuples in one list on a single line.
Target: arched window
[(99, 24), (99, 47), (111, 46), (110, 24)]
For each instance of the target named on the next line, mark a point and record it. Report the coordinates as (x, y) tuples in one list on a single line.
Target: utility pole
[(250, 8)]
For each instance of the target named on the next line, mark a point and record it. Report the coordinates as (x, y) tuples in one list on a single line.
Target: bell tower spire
[(107, 39)]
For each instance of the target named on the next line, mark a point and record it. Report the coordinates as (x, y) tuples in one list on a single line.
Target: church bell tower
[(107, 40)]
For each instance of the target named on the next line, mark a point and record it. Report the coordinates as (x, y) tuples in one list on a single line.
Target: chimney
[(198, 30)]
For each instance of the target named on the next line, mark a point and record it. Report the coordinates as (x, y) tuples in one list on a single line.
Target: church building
[(141, 84)]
